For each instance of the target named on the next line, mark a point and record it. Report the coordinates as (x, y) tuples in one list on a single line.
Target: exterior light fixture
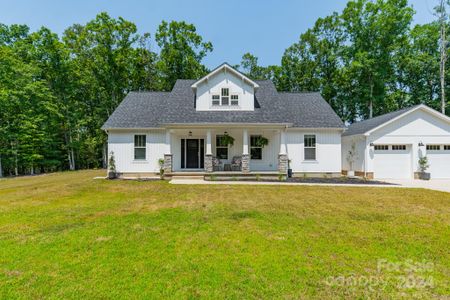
[(190, 133), (371, 145), (421, 144), (225, 133)]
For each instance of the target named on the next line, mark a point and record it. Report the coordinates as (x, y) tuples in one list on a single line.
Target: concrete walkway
[(438, 185), (442, 185)]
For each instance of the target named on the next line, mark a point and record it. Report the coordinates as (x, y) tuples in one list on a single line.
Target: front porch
[(202, 151)]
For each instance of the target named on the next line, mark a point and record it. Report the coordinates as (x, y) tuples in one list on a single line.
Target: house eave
[(225, 67)]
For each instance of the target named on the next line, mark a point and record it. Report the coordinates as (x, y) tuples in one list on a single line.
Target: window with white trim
[(434, 147), (381, 147), (255, 150), (398, 147), (225, 96), (310, 147), (234, 100), (140, 141), (215, 100), (221, 148), (447, 147)]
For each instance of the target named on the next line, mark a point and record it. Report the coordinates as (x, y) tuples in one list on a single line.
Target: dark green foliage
[(56, 92)]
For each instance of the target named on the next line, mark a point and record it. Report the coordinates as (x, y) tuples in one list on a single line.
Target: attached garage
[(390, 146), (439, 161), (392, 161)]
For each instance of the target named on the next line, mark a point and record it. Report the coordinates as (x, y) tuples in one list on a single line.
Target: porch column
[(168, 154), (282, 156), (245, 153), (208, 154)]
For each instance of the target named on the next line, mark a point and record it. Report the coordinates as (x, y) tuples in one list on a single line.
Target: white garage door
[(439, 161), (392, 161)]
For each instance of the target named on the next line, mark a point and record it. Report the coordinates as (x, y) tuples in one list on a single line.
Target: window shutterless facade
[(221, 148), (447, 147), (140, 141), (255, 150), (310, 147)]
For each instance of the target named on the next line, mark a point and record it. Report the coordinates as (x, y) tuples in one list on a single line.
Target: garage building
[(389, 146)]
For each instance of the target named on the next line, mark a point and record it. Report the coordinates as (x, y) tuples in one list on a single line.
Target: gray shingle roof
[(155, 109), (369, 124)]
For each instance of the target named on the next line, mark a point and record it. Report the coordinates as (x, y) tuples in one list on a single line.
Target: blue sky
[(265, 27)]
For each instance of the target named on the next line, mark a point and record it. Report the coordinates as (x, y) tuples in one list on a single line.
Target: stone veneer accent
[(245, 163), (167, 163), (282, 163), (208, 163)]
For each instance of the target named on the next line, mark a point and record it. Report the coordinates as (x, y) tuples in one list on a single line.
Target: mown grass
[(68, 236)]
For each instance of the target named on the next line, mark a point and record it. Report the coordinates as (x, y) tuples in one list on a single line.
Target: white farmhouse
[(225, 122)]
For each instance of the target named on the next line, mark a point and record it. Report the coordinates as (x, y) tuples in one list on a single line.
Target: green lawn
[(68, 236)]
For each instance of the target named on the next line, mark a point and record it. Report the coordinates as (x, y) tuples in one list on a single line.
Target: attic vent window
[(225, 96)]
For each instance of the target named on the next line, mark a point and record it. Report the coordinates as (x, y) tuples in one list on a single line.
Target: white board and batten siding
[(236, 86), (122, 144), (328, 151)]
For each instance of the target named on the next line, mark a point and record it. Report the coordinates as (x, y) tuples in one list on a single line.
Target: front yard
[(68, 236)]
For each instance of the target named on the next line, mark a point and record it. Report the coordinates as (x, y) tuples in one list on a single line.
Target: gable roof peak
[(225, 67)]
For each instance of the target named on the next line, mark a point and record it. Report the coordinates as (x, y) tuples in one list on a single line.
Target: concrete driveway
[(442, 185)]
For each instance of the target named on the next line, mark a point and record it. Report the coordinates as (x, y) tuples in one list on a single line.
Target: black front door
[(192, 154)]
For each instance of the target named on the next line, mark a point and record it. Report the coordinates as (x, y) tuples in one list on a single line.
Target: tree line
[(57, 91)]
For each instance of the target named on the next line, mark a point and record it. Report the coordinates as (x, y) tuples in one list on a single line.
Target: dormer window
[(225, 96), (215, 100), (234, 100)]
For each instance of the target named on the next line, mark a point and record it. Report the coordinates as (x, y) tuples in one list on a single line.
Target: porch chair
[(217, 164), (236, 163)]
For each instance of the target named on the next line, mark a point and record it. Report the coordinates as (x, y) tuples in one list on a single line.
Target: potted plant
[(351, 157), (161, 168), (423, 166), (227, 140), (289, 169), (261, 141), (111, 166)]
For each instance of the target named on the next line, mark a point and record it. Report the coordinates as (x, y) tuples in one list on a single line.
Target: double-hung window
[(234, 100), (310, 147), (255, 149), (221, 148), (140, 141), (215, 100), (225, 96)]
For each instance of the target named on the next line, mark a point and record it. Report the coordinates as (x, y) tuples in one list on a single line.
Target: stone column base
[(167, 163), (208, 163), (245, 163), (282, 163)]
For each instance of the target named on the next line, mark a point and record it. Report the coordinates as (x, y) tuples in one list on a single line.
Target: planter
[(424, 176), (111, 175), (351, 173), (290, 173)]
